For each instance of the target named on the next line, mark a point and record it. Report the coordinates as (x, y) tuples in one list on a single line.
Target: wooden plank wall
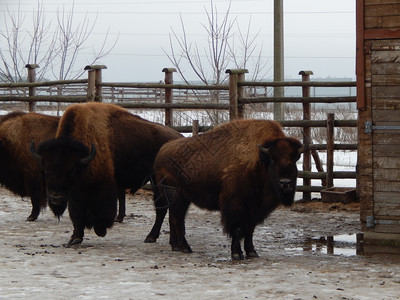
[(382, 14), (379, 152), (385, 71)]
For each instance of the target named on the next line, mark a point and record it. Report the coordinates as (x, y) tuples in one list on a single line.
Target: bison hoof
[(252, 254), (187, 250), (150, 239), (75, 241), (175, 248), (237, 256), (119, 219), (31, 218), (182, 249)]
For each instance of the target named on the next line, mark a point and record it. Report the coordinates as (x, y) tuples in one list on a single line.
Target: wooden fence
[(231, 98)]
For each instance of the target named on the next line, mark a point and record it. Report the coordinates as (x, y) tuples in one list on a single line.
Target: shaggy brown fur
[(125, 147), (19, 172), (224, 169)]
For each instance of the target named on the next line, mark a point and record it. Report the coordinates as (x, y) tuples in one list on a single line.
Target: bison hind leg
[(121, 206)]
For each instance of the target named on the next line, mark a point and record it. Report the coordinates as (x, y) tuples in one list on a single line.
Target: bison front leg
[(36, 206), (76, 237), (248, 244), (76, 215), (236, 249)]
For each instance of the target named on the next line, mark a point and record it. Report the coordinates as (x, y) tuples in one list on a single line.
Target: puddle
[(345, 244)]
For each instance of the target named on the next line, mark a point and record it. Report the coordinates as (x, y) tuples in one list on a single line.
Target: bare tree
[(214, 57), (54, 47), (222, 51)]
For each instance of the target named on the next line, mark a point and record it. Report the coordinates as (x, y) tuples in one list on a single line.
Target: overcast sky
[(319, 34)]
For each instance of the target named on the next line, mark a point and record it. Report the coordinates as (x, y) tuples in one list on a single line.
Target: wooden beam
[(360, 65)]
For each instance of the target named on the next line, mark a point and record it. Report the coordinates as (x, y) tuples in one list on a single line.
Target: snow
[(34, 263)]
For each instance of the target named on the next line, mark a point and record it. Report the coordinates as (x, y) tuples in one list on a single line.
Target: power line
[(184, 13), (143, 2), (262, 56)]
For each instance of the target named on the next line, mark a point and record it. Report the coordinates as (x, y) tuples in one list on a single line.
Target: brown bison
[(19, 172), (244, 169), (99, 150)]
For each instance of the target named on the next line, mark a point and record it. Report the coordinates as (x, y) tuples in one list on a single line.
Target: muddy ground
[(294, 262)]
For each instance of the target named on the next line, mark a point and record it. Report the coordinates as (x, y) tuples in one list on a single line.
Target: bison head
[(280, 157), (63, 161)]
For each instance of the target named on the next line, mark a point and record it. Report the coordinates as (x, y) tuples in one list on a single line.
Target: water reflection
[(346, 244)]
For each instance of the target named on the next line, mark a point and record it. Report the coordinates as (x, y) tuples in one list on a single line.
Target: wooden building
[(378, 100)]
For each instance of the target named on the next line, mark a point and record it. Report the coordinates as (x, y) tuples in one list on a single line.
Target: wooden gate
[(378, 98)]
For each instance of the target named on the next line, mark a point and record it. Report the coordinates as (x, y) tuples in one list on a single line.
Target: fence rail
[(232, 98)]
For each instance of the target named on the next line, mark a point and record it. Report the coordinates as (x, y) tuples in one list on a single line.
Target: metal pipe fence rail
[(233, 98)]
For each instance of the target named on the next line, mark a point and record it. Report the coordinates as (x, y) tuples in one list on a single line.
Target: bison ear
[(89, 158), (34, 152)]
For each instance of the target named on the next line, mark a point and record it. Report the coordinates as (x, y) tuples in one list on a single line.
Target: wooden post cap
[(32, 66), (95, 67), (236, 71), (169, 70), (306, 73)]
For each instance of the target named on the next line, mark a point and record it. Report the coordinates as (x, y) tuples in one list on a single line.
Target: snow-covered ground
[(294, 262)]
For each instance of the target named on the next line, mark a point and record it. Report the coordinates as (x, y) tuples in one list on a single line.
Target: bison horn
[(34, 151), (302, 149), (263, 149), (87, 159)]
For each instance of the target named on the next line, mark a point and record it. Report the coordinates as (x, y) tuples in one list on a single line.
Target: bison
[(99, 149), (19, 172), (244, 169)]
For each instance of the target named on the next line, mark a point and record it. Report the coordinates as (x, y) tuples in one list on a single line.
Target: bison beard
[(244, 169)]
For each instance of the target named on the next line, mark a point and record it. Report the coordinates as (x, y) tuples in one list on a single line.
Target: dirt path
[(293, 263)]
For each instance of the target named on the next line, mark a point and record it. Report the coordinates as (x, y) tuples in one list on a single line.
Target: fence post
[(91, 89), (236, 92), (195, 127), (168, 79), (305, 76), (32, 90), (330, 149), (95, 91)]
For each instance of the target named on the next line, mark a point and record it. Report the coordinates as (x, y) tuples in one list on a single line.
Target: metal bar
[(369, 127)]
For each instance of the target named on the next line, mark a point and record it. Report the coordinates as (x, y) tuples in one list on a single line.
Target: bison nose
[(285, 184)]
